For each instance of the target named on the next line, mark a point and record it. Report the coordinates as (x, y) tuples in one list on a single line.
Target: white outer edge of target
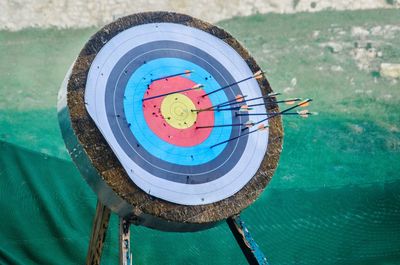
[(186, 194)]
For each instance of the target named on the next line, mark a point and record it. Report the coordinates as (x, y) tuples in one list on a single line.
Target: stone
[(359, 32), (391, 70), (334, 47), (336, 68), (293, 83)]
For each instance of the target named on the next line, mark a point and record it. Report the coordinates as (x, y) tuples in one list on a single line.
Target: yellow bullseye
[(177, 111)]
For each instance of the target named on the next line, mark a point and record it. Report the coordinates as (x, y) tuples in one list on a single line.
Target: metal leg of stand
[(250, 249), (125, 255), (99, 231)]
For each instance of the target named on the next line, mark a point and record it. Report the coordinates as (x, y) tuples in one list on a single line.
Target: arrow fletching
[(291, 101), (249, 124), (239, 98), (198, 86), (273, 94), (262, 127), (303, 113), (258, 74), (305, 103), (244, 108)]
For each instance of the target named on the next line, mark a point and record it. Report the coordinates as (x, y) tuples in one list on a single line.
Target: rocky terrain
[(18, 14)]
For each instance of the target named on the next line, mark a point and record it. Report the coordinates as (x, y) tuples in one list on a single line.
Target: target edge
[(176, 213)]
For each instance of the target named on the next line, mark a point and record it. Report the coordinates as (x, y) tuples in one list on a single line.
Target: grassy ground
[(335, 196)]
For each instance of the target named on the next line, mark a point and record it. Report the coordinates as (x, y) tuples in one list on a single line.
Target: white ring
[(187, 194)]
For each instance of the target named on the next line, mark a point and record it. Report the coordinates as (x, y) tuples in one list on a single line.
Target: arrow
[(187, 72), (304, 103), (238, 98), (261, 127), (246, 124), (256, 75), (198, 86), (303, 113)]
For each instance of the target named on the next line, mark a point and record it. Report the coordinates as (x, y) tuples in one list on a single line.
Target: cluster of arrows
[(242, 107)]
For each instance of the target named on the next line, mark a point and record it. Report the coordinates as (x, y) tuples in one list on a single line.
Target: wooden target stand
[(247, 244), (86, 120)]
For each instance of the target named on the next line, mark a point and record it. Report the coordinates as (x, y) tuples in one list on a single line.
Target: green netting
[(335, 198)]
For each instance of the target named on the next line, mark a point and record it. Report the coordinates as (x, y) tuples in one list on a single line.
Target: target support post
[(99, 232), (249, 247), (125, 255)]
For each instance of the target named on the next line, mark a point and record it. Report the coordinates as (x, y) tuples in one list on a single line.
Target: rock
[(363, 60), (333, 46), (377, 30), (387, 96), (315, 34), (359, 32), (356, 128), (391, 70), (293, 82), (336, 68), (288, 89), (372, 53)]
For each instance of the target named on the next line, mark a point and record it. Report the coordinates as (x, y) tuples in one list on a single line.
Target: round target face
[(151, 90)]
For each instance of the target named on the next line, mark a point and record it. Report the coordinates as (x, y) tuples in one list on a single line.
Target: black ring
[(116, 85)]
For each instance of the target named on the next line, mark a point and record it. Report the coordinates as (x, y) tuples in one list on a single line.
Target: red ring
[(180, 137)]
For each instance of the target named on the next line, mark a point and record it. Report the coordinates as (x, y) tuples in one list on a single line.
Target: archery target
[(157, 140)]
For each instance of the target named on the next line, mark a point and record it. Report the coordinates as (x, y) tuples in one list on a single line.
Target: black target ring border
[(116, 84)]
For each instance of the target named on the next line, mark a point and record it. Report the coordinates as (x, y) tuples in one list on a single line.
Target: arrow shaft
[(169, 76), (248, 100), (166, 94), (259, 104), (225, 87), (221, 104), (234, 138), (222, 125), (271, 113), (284, 111), (235, 83)]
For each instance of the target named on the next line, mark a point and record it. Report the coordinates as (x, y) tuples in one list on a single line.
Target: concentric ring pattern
[(155, 132)]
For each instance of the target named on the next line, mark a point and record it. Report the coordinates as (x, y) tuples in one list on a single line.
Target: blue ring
[(134, 93)]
